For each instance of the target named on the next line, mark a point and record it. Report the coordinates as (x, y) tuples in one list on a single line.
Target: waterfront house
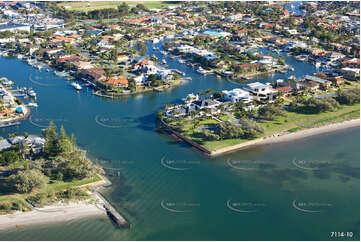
[(322, 83), (81, 65), (351, 73), (93, 74), (207, 103), (119, 81), (4, 144), (140, 80), (284, 90), (260, 91), (237, 95)]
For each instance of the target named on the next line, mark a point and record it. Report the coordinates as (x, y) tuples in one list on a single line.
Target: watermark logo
[(244, 165), (113, 122), (179, 207), (178, 165), (44, 122), (245, 207), (311, 207), (310, 165), (36, 81)]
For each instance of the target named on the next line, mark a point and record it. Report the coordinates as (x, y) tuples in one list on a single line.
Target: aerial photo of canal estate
[(180, 120)]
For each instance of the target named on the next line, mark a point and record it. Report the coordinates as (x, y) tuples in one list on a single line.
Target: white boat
[(76, 86), (155, 41), (292, 78), (318, 64), (201, 70), (164, 61), (62, 74), (35, 105), (31, 93), (181, 61), (20, 56)]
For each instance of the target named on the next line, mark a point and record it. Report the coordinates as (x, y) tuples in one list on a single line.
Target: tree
[(348, 97), (132, 85), (26, 181), (64, 144), (142, 48), (9, 157), (218, 95), (270, 112), (50, 136)]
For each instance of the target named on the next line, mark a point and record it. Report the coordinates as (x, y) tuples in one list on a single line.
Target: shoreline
[(328, 128), (56, 213), (60, 212)]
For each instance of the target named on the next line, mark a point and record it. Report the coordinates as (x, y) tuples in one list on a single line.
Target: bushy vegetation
[(26, 181), (246, 129), (9, 206), (313, 106), (270, 112), (348, 97)]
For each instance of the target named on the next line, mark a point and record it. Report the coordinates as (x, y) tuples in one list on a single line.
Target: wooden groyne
[(112, 213)]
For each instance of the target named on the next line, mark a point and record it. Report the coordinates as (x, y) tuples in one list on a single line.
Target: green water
[(190, 201)]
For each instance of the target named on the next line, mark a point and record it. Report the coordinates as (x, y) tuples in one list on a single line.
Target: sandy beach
[(60, 212), (290, 136)]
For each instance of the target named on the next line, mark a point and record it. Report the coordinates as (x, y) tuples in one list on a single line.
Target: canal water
[(302, 190)]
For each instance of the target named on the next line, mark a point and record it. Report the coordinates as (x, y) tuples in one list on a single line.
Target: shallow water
[(246, 195)]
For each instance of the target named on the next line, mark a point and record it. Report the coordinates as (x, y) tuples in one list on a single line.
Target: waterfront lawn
[(89, 6), (290, 123), (10, 201)]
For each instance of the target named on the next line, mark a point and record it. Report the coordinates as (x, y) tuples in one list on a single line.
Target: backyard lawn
[(89, 6), (291, 122), (56, 186)]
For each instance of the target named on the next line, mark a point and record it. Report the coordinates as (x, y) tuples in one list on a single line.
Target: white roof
[(257, 85)]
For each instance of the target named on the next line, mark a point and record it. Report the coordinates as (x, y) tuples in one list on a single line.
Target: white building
[(260, 91), (237, 95)]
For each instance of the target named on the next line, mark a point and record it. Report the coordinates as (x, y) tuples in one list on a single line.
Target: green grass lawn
[(89, 6), (291, 122), (56, 186)]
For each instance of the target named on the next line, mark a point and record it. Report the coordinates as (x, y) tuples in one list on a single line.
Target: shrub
[(348, 97), (26, 181)]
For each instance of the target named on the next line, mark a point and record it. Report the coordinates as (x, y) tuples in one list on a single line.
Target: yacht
[(164, 61), (62, 74), (32, 104), (76, 86), (201, 70), (181, 61), (31, 93)]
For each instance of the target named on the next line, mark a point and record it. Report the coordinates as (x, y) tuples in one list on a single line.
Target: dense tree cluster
[(26, 181), (246, 129), (61, 160), (270, 112), (348, 97), (314, 105)]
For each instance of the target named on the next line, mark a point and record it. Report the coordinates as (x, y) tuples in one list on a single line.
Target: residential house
[(93, 74), (322, 83), (237, 95), (260, 91)]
